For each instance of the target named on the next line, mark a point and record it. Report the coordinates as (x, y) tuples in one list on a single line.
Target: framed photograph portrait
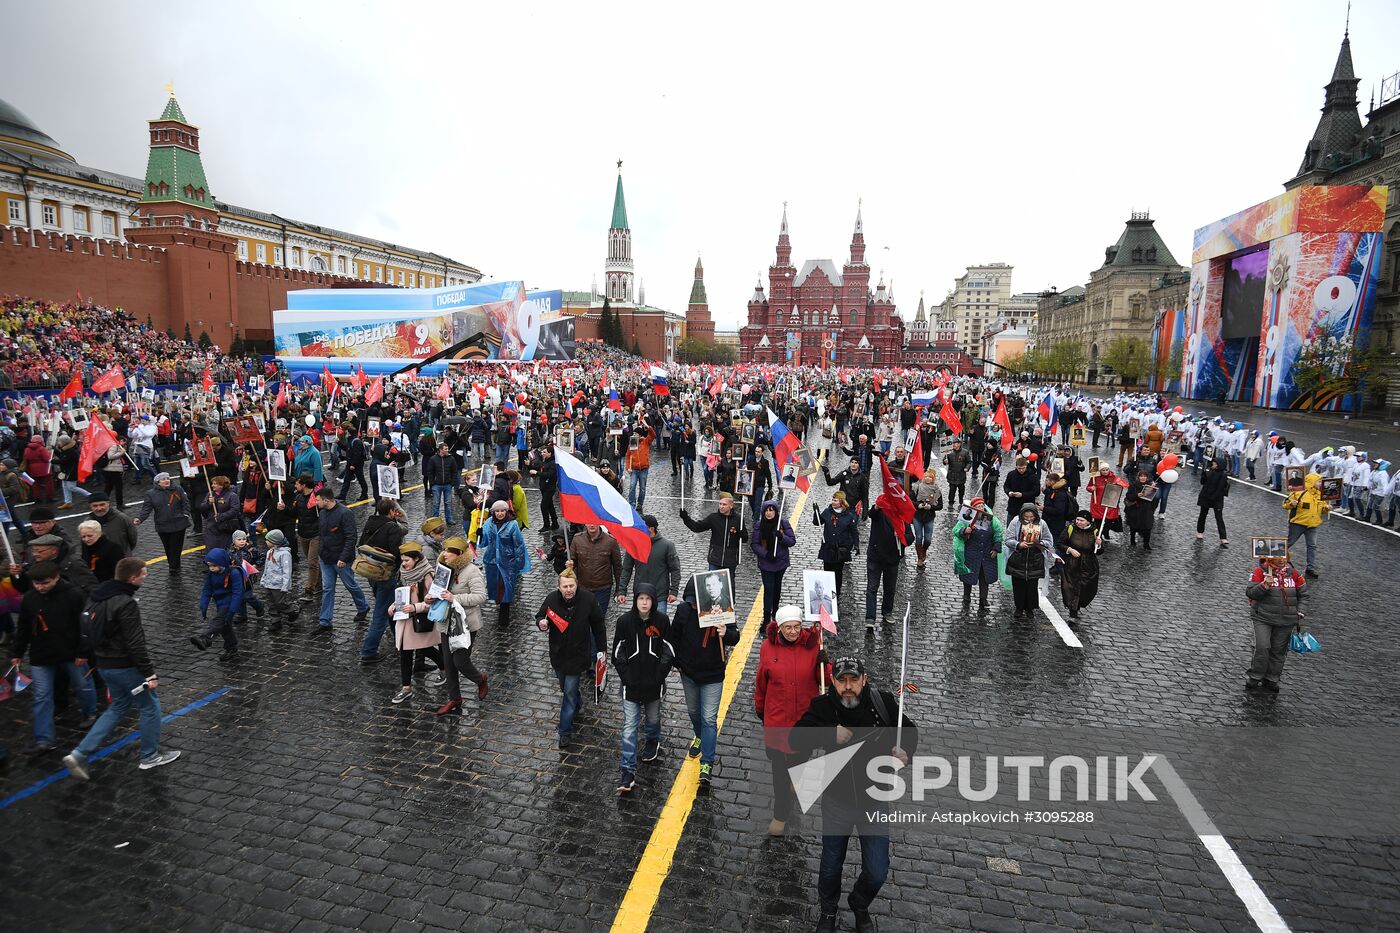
[(1294, 478), (1262, 547), (819, 592), (743, 482), (1094, 466), (1112, 497), (788, 480), (1332, 489), (276, 464), (388, 481), (564, 437), (714, 598), (748, 432)]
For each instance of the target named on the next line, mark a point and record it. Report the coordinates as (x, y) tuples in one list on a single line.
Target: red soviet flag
[(950, 417), (73, 389), (375, 392), (110, 381), (444, 389), (358, 378), (1005, 422), (96, 440), (281, 396), (895, 503), (208, 382)]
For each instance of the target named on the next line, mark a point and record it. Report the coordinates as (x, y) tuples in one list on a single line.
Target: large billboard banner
[(386, 329)]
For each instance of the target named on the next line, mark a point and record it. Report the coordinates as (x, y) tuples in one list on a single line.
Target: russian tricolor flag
[(586, 498), (659, 385), (614, 400), (508, 407), (924, 399), (784, 446), (1048, 410)]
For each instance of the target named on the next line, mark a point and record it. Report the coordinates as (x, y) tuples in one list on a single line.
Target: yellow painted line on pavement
[(198, 548), (645, 888)]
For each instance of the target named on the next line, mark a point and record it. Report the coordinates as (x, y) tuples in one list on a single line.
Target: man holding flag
[(889, 522)]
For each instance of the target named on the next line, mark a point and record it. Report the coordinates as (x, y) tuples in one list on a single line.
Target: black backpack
[(91, 624)]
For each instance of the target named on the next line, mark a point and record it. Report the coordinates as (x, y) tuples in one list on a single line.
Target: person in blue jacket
[(505, 556), (223, 588), (308, 460)]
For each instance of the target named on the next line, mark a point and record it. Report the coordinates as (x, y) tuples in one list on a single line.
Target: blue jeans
[(702, 702), (1235, 463), (1277, 477), (1163, 491), (121, 681), (43, 675), (503, 453), (379, 618), (442, 502), (637, 489), (142, 459), (1309, 535), (329, 574), (837, 824), (568, 685), (632, 716), (70, 487), (923, 531)]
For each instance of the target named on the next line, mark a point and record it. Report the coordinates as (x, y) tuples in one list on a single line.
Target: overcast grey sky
[(977, 132)]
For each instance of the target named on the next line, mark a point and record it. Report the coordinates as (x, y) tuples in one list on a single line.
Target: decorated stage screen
[(1267, 282), (386, 329)]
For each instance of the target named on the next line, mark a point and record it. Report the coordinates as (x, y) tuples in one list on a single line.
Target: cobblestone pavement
[(305, 801)]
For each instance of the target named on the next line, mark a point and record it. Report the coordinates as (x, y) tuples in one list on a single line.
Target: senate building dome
[(19, 135)]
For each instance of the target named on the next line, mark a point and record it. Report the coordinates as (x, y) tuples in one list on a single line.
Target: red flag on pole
[(96, 440), (895, 503), (358, 379), (826, 620), (281, 396), (208, 382), (1005, 422), (327, 380), (950, 417), (73, 389), (110, 381), (375, 392), (444, 389)]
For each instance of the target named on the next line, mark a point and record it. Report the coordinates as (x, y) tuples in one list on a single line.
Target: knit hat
[(99, 497), (276, 538), (161, 476), (979, 504), (787, 614), (240, 536), (1085, 514), (10, 463)]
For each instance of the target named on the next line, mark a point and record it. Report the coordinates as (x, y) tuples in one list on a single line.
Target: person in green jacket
[(976, 551)]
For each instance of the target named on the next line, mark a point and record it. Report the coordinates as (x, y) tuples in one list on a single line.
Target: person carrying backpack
[(111, 625)]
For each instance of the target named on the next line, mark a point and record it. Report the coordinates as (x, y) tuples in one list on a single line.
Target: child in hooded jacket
[(277, 580), (244, 554), (223, 589)]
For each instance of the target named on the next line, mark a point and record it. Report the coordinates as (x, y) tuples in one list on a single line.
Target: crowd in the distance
[(43, 343)]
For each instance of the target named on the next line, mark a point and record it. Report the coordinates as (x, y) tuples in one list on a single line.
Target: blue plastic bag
[(1303, 642)]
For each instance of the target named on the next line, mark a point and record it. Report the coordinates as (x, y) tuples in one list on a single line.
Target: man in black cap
[(852, 711), (116, 524)]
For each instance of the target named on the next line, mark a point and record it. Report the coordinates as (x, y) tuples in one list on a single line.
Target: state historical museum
[(821, 317)]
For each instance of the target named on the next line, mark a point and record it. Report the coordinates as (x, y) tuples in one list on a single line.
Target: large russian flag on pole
[(1048, 410), (659, 383), (924, 399), (586, 498), (784, 446)]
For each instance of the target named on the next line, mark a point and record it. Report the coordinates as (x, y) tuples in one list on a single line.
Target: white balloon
[(310, 421), (1170, 476)]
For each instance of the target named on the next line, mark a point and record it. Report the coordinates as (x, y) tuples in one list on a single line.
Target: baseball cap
[(848, 667)]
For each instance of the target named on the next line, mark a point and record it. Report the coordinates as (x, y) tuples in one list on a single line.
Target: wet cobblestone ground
[(306, 801)]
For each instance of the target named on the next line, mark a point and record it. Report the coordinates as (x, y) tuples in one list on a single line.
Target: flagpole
[(903, 662)]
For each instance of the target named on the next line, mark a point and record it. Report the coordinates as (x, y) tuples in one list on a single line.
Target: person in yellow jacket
[(1306, 509)]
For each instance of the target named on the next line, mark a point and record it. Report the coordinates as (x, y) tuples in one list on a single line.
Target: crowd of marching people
[(265, 477)]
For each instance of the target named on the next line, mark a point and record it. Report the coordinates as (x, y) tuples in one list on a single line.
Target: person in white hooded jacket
[(1357, 479), (1378, 486), (1252, 449)]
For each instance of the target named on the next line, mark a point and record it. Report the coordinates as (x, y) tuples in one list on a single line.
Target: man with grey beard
[(852, 711)]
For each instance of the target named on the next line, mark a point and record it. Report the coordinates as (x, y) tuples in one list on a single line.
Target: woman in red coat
[(1110, 518), (789, 678)]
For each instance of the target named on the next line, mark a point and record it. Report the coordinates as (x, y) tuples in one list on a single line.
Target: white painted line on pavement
[(1246, 888), (1330, 515), (1066, 633)]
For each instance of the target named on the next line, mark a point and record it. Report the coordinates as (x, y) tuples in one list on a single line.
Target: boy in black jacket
[(49, 617), (701, 654), (643, 658)]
